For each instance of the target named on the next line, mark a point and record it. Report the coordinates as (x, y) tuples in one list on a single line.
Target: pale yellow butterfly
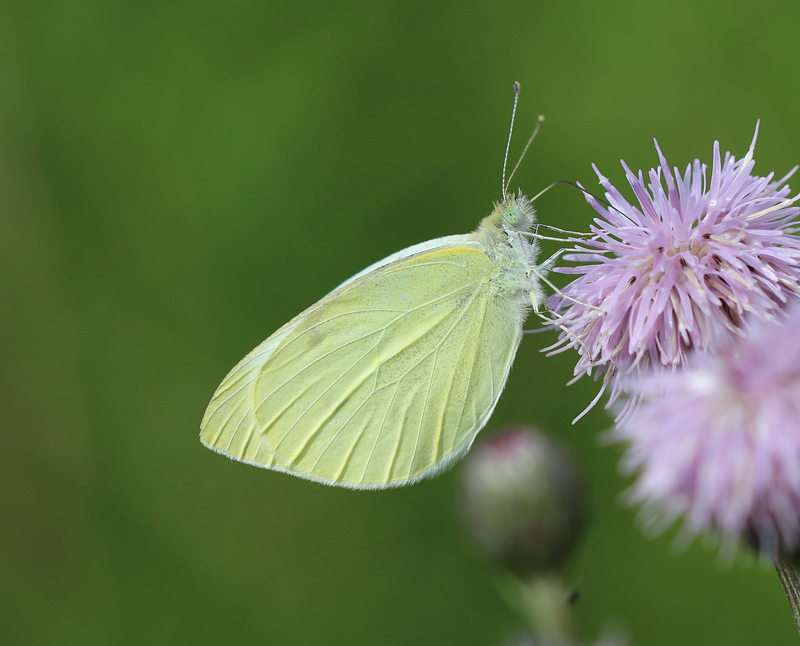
[(389, 378)]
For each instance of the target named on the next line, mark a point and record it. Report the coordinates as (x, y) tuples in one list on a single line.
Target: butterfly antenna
[(539, 122), (510, 132), (544, 190)]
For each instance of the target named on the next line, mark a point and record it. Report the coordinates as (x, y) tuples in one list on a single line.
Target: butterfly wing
[(383, 382)]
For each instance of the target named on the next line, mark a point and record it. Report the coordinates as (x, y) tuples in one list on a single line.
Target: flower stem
[(542, 602), (789, 574), (548, 612)]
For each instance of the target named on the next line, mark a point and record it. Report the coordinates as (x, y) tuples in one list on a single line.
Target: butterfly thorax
[(504, 236)]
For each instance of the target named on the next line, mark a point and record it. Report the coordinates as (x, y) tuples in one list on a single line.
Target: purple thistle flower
[(676, 273), (718, 442)]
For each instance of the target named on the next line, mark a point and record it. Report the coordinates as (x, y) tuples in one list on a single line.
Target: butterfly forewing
[(380, 382)]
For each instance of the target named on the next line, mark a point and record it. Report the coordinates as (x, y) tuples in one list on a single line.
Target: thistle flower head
[(719, 441), (677, 272)]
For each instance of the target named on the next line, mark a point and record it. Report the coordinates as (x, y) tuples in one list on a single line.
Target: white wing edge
[(266, 348), (428, 245)]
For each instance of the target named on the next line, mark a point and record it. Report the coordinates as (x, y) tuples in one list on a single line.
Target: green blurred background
[(178, 179)]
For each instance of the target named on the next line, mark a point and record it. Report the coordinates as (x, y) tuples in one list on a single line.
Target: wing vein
[(469, 382), (422, 414), (405, 312), (439, 448), (325, 356), (210, 414), (222, 428), (338, 404), (344, 345), (347, 421), (430, 379), (380, 430)]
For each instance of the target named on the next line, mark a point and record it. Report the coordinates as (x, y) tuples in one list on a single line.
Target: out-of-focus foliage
[(178, 179)]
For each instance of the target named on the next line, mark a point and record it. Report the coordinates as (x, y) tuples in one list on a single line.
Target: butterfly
[(389, 378)]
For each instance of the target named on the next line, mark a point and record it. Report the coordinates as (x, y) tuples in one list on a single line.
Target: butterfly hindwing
[(379, 384)]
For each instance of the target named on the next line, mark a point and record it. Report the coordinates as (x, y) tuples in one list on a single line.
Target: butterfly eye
[(512, 215)]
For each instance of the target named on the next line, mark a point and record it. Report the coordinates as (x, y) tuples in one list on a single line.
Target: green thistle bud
[(523, 501)]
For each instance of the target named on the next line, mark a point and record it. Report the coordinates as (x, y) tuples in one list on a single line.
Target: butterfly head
[(516, 212)]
